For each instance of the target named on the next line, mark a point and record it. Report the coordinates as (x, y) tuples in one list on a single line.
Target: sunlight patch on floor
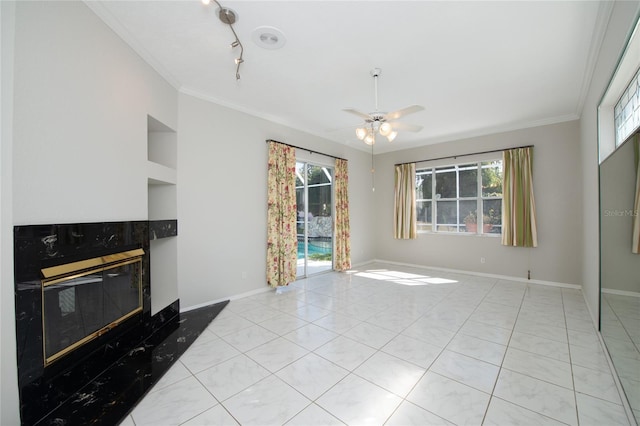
[(403, 278)]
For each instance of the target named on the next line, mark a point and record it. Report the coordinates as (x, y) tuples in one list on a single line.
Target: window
[(627, 110), (449, 198)]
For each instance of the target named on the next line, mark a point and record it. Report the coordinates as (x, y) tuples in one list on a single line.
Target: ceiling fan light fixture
[(378, 121), (370, 139), (385, 129)]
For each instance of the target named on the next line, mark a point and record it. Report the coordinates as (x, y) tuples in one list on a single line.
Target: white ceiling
[(477, 67)]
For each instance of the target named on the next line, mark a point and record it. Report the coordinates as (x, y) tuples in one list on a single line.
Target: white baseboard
[(482, 274), (411, 265), (234, 297), (621, 292)]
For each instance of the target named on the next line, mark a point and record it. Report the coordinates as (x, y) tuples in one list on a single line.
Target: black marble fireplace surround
[(101, 381)]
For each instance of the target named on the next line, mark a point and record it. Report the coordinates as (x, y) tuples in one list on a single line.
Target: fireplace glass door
[(82, 306)]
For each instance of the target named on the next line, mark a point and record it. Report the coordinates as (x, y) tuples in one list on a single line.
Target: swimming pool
[(313, 248)]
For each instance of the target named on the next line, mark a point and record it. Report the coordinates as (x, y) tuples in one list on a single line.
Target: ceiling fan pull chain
[(373, 172)]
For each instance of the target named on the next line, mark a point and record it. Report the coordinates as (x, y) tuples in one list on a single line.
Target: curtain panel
[(635, 237), (342, 231), (519, 228), (282, 240), (404, 213)]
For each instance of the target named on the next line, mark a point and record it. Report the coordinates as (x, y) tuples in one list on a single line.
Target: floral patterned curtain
[(342, 255), (404, 212), (519, 227), (282, 240)]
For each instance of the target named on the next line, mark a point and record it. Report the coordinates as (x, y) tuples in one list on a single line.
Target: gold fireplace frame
[(69, 271)]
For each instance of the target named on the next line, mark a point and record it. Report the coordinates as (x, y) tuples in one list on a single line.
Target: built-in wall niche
[(162, 146), (161, 200), (162, 213), (162, 150)]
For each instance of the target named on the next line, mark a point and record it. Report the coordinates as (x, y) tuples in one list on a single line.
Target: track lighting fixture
[(229, 17)]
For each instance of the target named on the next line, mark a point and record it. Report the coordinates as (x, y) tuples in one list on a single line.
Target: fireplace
[(79, 366), (83, 300)]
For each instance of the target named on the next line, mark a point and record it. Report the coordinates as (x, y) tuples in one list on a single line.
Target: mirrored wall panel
[(619, 154), (620, 269)]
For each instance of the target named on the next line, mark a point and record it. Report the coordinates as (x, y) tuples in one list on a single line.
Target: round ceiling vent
[(268, 37)]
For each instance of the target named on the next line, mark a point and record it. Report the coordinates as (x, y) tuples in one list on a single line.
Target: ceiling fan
[(383, 122)]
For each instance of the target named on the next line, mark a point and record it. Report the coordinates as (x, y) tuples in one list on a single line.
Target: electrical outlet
[(244, 275), (482, 260)]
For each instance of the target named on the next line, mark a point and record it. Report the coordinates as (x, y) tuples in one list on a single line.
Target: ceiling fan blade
[(397, 125), (404, 111), (358, 113)]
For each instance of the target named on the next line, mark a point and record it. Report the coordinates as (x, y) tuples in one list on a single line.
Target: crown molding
[(603, 17)]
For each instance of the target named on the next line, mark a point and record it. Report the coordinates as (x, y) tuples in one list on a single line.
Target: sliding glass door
[(314, 197)]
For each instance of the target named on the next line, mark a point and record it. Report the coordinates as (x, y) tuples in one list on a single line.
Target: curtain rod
[(307, 149), (465, 155)]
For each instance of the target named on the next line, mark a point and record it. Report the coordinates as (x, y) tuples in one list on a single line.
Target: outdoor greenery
[(320, 256), (456, 193), (492, 180), (492, 218), (319, 193)]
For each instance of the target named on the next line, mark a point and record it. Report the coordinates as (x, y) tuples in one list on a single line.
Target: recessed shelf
[(161, 143), (162, 213), (162, 202), (159, 174)]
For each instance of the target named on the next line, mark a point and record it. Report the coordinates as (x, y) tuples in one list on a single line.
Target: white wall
[(9, 412), (74, 134), (618, 31), (80, 118), (556, 170), (222, 199), (81, 99)]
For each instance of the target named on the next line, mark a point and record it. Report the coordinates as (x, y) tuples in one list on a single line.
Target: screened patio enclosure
[(314, 199)]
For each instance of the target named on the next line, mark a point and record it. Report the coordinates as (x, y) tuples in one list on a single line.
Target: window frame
[(627, 110), (480, 199)]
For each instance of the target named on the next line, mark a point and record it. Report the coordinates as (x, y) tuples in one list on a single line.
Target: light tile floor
[(393, 345), (621, 332)]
